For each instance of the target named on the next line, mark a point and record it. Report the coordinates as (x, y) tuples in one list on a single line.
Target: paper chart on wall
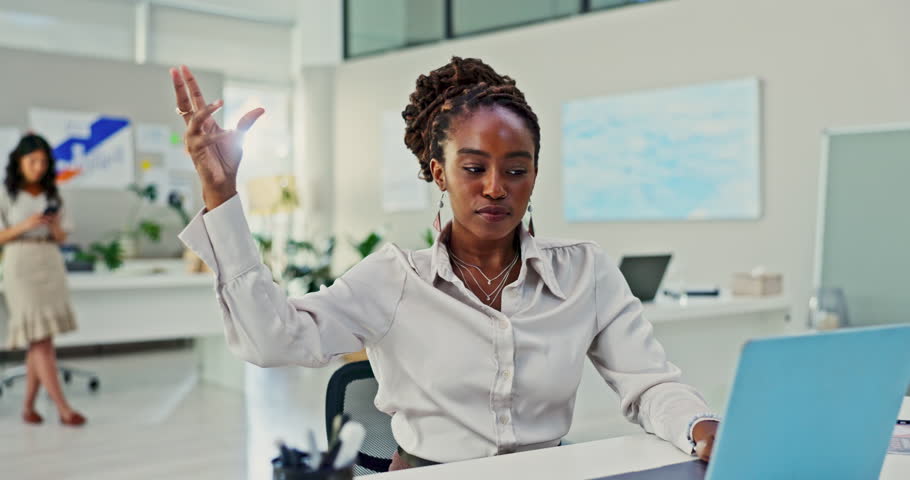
[(91, 149), (152, 138)]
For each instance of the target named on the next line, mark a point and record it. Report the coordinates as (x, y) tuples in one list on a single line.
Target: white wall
[(251, 43), (317, 36), (242, 49), (823, 63)]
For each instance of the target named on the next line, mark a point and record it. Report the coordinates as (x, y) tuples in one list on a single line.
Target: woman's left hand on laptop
[(704, 434)]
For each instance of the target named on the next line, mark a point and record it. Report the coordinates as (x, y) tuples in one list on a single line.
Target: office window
[(603, 4), (267, 146), (373, 26), (475, 16)]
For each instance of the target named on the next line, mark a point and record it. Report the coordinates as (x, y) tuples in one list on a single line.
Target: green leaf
[(297, 271), (111, 253), (288, 197), (264, 242), (294, 246), (367, 245), (150, 229), (428, 237), (83, 256), (149, 192)]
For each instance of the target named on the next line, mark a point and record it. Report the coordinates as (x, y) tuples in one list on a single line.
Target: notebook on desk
[(820, 405)]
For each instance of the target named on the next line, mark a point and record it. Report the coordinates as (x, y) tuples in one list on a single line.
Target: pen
[(337, 423), (285, 454), (315, 458), (351, 438)]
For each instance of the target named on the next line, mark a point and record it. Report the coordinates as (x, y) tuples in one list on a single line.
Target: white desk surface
[(126, 281), (665, 309), (139, 274), (591, 460), (146, 300)]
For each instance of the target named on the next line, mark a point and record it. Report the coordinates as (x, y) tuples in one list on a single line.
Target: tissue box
[(763, 285)]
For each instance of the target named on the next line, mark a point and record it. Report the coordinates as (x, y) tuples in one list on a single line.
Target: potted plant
[(136, 228)]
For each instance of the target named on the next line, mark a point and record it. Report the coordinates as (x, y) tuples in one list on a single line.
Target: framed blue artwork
[(684, 153)]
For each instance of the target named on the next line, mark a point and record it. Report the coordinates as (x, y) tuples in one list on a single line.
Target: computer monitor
[(644, 273)]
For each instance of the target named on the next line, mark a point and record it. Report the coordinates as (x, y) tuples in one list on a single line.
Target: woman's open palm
[(216, 152)]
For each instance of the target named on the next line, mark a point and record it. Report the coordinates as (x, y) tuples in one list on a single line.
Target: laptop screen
[(644, 274)]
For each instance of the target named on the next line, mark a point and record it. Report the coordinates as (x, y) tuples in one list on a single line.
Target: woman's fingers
[(703, 448), (183, 98), (201, 117), (212, 138), (246, 122), (196, 98)]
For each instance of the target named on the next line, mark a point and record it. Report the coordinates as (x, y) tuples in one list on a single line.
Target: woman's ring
[(181, 112)]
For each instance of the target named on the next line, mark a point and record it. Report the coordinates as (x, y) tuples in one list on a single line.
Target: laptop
[(819, 405), (644, 274)]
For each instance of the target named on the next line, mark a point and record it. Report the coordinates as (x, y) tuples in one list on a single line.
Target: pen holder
[(280, 472)]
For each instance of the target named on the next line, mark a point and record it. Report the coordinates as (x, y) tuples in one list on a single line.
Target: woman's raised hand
[(216, 152)]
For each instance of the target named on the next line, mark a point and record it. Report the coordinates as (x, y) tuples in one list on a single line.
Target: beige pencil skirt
[(36, 292)]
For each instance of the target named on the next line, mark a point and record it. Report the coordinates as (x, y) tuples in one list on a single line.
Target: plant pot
[(129, 245)]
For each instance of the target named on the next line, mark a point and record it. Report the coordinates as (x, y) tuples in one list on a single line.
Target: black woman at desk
[(32, 225), (478, 342)]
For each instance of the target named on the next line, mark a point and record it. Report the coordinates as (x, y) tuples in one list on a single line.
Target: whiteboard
[(863, 224)]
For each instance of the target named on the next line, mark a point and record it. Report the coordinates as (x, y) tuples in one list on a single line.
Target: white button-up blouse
[(461, 380)]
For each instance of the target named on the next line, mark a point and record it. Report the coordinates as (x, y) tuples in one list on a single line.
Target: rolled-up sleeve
[(634, 364), (265, 327)]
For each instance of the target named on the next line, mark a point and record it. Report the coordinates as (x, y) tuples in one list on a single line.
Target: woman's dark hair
[(461, 86), (15, 180)]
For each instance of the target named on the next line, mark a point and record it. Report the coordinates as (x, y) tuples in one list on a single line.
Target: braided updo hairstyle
[(461, 86)]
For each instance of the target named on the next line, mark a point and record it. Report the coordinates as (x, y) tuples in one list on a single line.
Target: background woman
[(32, 226)]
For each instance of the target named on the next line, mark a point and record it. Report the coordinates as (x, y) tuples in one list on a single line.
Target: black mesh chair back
[(351, 390)]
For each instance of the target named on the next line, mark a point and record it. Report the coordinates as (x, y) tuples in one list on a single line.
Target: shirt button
[(506, 374), (503, 324), (503, 419)]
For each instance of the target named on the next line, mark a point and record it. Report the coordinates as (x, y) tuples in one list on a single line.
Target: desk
[(666, 310), (591, 460), (133, 304)]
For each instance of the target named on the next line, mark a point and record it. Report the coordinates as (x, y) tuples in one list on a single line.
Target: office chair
[(15, 373), (351, 390)]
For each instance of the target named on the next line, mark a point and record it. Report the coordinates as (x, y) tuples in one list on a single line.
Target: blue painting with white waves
[(675, 154)]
